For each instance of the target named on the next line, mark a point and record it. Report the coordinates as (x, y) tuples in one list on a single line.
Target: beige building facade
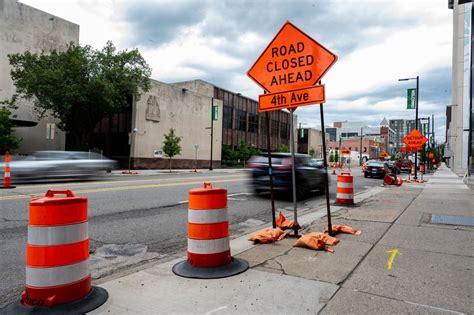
[(24, 28), (189, 112)]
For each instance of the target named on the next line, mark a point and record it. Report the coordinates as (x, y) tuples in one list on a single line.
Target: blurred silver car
[(42, 165)]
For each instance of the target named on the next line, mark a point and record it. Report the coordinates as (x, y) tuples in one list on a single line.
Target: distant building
[(332, 133), (401, 128), (309, 138), (460, 134), (24, 28)]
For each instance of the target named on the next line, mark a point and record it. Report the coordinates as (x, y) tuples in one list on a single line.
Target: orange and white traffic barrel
[(209, 253), (399, 181), (58, 277), (345, 189), (6, 176)]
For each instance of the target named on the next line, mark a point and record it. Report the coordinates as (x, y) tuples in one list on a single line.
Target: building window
[(240, 120), (253, 122), (227, 117), (284, 132)]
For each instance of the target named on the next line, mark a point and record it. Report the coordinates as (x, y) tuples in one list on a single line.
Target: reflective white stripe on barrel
[(208, 246), (57, 235), (345, 196), (207, 216), (48, 277), (7, 174), (344, 185)]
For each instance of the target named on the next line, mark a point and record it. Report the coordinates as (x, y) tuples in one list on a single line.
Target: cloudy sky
[(377, 42)]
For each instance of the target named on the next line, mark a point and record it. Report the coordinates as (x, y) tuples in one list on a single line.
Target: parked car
[(43, 165), (404, 165), (309, 174), (375, 169)]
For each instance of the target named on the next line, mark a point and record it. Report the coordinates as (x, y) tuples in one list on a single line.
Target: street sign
[(291, 61), (415, 139), (345, 151), (291, 99), (411, 98)]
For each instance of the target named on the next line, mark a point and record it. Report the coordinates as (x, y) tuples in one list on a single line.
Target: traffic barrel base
[(90, 302), (186, 270), (208, 237)]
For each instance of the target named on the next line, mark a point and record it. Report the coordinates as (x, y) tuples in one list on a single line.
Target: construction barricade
[(58, 278), (209, 253), (6, 177), (345, 189)]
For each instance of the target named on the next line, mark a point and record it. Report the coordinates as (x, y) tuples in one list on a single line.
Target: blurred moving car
[(404, 165), (43, 165), (375, 169), (309, 174)]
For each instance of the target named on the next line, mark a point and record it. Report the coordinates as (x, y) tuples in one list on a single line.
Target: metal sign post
[(326, 180), (270, 172), (293, 174)]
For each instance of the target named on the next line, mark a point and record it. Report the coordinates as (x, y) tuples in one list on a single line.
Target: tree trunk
[(170, 164)]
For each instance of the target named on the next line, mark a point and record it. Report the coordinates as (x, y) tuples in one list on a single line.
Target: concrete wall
[(23, 28), (457, 141), (315, 142), (188, 113)]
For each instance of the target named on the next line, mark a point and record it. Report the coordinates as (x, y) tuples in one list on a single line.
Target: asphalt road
[(137, 219)]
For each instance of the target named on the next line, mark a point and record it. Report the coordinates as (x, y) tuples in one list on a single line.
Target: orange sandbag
[(268, 235), (316, 241), (345, 229), (283, 223)]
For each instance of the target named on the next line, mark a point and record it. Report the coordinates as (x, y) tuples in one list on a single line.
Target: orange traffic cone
[(6, 177)]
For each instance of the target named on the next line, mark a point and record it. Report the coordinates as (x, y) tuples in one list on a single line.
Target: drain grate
[(452, 219)]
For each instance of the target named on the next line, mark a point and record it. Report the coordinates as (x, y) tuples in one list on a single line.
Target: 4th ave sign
[(290, 99), (292, 62), (415, 140)]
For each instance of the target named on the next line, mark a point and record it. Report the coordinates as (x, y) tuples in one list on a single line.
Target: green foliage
[(8, 142), (244, 152), (336, 156), (171, 145), (80, 86), (332, 157), (282, 148), (312, 152)]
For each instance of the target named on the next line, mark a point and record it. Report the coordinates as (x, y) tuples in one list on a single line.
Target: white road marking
[(216, 310)]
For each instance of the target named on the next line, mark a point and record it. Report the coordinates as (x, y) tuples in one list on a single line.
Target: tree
[(80, 86), (244, 152), (171, 145), (312, 152), (332, 157), (283, 148), (8, 141)]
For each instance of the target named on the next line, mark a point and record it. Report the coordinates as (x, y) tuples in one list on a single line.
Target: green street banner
[(411, 98), (214, 112)]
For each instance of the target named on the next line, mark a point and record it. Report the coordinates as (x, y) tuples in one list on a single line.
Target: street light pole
[(416, 116), (212, 131)]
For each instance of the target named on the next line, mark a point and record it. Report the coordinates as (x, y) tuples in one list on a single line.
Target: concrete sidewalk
[(178, 171), (433, 273)]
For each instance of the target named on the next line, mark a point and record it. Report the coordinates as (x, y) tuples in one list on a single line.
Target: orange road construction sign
[(292, 61), (291, 99), (415, 140), (345, 151)]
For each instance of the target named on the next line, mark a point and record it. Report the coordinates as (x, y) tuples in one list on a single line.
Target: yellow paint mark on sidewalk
[(120, 188), (392, 253)]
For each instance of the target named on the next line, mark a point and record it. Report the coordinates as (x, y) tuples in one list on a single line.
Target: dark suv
[(309, 174), (404, 165)]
